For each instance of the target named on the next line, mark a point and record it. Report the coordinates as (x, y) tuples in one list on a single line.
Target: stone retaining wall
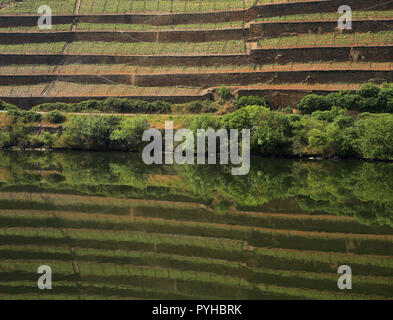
[(256, 30), (209, 79), (289, 8), (277, 29), (342, 53), (280, 98), (55, 59)]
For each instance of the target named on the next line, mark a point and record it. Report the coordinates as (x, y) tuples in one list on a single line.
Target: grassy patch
[(52, 47), (329, 16), (145, 27), (123, 6), (329, 39), (158, 48), (31, 6)]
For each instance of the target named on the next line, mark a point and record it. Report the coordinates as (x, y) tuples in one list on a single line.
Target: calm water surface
[(111, 227)]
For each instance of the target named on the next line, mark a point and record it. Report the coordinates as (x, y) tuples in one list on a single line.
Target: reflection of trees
[(267, 180), (353, 188)]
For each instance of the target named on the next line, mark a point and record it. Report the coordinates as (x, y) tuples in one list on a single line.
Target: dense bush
[(369, 90), (129, 132), (45, 139), (375, 137), (326, 133), (224, 93), (385, 98), (369, 98), (204, 122), (53, 106), (205, 106), (251, 101), (271, 132), (25, 116), (115, 105), (313, 102), (99, 132), (55, 117), (243, 118), (4, 106), (5, 139), (90, 132)]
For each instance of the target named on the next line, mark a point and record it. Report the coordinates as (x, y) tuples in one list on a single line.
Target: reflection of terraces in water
[(103, 246), (177, 34)]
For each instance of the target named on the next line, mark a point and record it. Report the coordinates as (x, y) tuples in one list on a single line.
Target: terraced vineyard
[(183, 50), (112, 227), (135, 233)]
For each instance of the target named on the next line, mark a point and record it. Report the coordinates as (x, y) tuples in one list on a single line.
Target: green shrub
[(5, 139), (13, 136), (25, 116), (251, 101), (160, 107), (31, 116), (7, 107), (224, 93), (130, 132), (204, 121), (16, 114), (86, 106), (45, 139), (89, 132), (243, 118), (385, 99), (52, 106), (196, 107), (206, 106), (313, 102), (368, 90), (375, 137), (325, 133), (115, 105), (369, 98), (55, 117), (272, 133)]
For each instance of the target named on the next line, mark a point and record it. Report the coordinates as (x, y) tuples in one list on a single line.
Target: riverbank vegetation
[(326, 126)]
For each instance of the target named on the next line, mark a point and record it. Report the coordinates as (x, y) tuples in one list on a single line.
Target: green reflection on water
[(112, 227)]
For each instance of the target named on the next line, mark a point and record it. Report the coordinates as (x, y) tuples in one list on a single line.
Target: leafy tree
[(325, 133), (368, 90), (313, 102), (130, 132), (272, 133), (91, 132), (251, 101), (375, 137), (55, 117), (205, 121), (385, 99)]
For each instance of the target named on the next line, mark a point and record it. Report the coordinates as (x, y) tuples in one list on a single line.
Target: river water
[(111, 227)]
